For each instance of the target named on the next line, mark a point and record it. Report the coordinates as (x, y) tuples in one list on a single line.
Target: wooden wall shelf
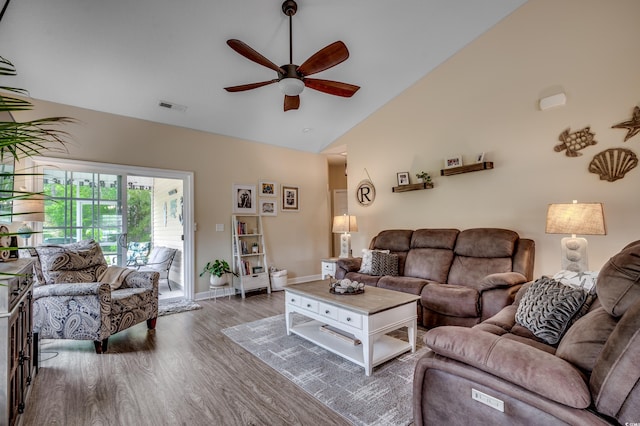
[(412, 187), (466, 169)]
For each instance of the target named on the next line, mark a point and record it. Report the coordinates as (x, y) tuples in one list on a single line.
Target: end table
[(329, 267)]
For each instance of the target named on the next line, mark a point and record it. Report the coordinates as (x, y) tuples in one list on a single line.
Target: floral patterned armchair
[(70, 302)]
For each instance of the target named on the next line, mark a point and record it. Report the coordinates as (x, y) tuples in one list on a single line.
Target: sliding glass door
[(84, 205), (116, 204)]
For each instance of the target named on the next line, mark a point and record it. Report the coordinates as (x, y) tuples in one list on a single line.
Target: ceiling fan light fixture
[(291, 86)]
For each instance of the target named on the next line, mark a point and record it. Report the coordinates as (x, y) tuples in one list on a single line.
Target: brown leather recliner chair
[(500, 373)]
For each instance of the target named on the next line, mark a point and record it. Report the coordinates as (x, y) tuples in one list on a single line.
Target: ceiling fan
[(292, 78)]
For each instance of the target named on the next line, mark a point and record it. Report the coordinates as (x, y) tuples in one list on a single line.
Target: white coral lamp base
[(574, 254), (345, 245)]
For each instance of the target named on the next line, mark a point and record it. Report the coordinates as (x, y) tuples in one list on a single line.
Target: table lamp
[(575, 218), (343, 225), (28, 209)]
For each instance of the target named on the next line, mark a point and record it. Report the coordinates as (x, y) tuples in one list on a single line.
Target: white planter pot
[(219, 281), (419, 180)]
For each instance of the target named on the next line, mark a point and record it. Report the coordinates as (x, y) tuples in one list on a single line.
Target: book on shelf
[(246, 267), (241, 228)]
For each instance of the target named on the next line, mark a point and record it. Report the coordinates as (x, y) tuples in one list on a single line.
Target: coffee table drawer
[(309, 304), (294, 299), (328, 311), (350, 318)]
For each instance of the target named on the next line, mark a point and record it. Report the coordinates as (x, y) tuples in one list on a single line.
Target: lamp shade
[(576, 218), (344, 223), (29, 209)]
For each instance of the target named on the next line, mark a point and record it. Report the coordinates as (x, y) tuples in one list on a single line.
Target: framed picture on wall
[(244, 198), (267, 189), (290, 199), (453, 161), (268, 207), (403, 178)]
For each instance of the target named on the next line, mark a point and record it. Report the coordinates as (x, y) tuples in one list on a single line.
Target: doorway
[(117, 204)]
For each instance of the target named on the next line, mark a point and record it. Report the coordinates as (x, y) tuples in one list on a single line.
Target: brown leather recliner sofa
[(590, 377), (462, 277)]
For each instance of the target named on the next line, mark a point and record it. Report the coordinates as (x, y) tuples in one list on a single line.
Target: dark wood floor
[(186, 372)]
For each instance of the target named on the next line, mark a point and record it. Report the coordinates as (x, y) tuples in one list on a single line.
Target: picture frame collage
[(263, 199)]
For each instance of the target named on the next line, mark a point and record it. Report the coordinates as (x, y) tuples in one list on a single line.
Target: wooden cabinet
[(17, 342), (249, 254)]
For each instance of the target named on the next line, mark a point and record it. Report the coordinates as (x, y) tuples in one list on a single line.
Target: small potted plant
[(423, 177), (219, 270)]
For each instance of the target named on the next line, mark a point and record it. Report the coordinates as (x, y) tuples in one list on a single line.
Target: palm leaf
[(24, 139)]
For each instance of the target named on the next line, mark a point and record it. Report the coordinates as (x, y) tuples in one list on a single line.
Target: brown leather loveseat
[(591, 376), (462, 277)]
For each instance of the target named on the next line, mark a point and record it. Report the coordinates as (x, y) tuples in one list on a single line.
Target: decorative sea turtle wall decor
[(574, 142)]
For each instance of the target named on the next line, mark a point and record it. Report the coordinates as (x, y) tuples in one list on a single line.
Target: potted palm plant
[(22, 139), (219, 270)]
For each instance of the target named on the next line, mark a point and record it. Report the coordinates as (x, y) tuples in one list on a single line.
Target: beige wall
[(295, 241), (485, 99)]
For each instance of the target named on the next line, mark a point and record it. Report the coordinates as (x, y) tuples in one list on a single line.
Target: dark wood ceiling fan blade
[(291, 102), (325, 58), (249, 53), (336, 88), (243, 87)]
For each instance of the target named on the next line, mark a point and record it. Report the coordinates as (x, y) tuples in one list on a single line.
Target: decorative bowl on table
[(346, 287)]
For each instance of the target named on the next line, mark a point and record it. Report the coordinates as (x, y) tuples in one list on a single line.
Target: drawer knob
[(293, 300), (348, 319), (308, 305), (326, 312)]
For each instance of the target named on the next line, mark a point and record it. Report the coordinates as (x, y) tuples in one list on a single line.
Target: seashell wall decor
[(632, 126), (574, 142), (613, 163)]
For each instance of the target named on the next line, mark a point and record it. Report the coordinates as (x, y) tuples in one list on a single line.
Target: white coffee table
[(353, 326)]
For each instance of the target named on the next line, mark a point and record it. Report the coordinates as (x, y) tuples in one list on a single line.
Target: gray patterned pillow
[(80, 262), (586, 279), (384, 263), (549, 307), (365, 266)]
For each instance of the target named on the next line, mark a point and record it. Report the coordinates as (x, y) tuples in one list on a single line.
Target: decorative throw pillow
[(549, 307), (365, 266), (384, 263), (585, 280), (71, 263)]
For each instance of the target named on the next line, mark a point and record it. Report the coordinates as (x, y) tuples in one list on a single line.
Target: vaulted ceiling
[(126, 57)]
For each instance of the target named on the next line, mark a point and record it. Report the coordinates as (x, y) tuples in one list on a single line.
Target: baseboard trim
[(204, 295)]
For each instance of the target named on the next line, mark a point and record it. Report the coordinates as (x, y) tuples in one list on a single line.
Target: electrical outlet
[(219, 227), (490, 401)]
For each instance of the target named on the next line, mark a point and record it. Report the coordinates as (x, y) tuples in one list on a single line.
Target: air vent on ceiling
[(171, 105)]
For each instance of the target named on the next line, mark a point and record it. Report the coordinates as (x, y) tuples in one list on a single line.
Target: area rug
[(384, 398), (168, 308)]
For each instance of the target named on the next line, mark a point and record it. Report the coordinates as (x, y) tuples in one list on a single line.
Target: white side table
[(215, 288), (329, 267)]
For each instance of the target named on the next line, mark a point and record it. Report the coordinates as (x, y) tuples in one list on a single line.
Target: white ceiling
[(124, 57)]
